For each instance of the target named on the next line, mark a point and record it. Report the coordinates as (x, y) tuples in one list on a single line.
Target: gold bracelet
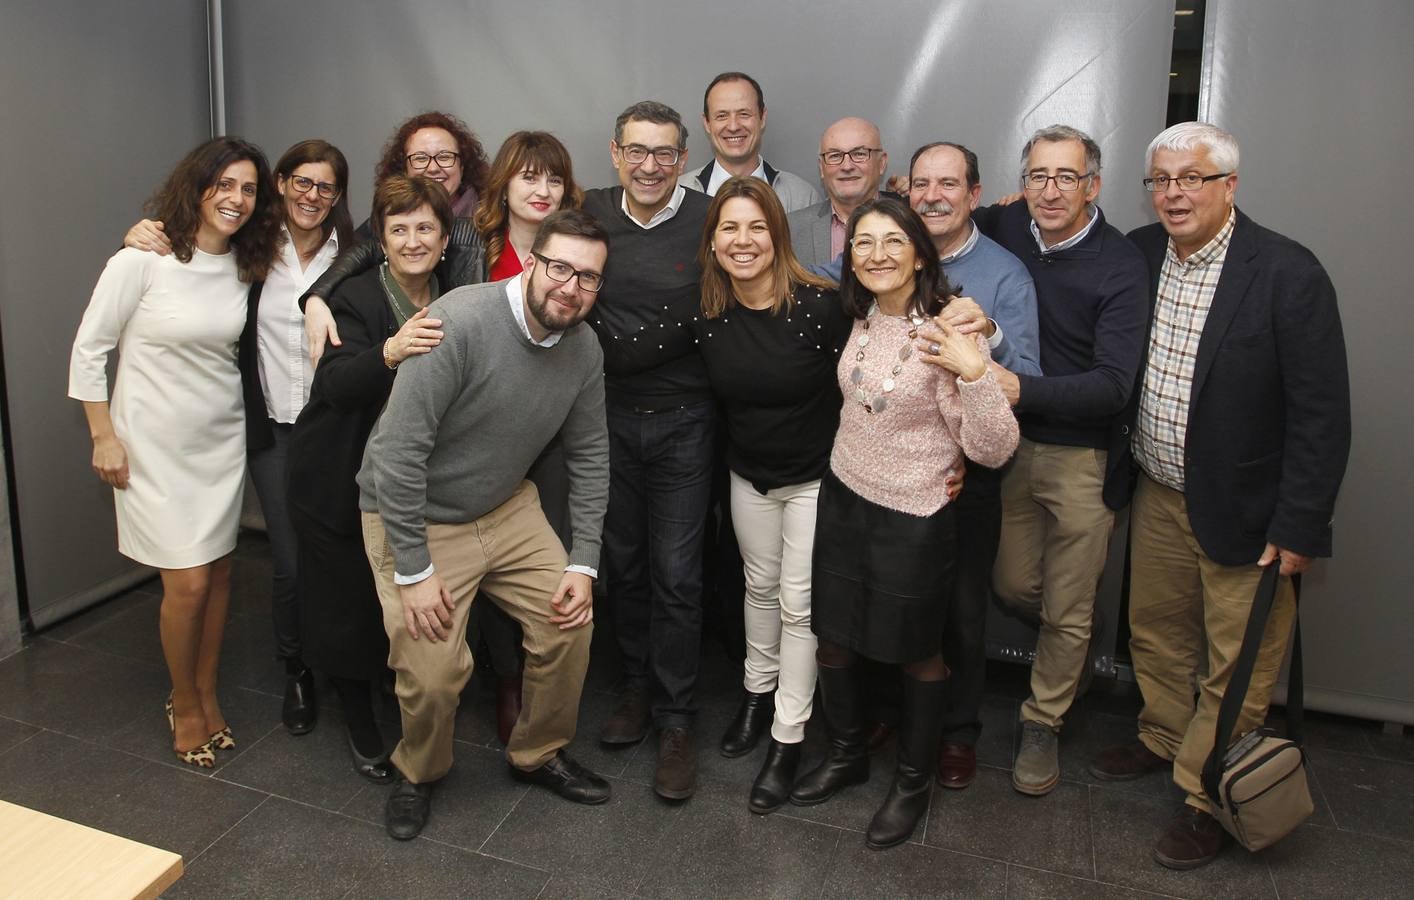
[(387, 359)]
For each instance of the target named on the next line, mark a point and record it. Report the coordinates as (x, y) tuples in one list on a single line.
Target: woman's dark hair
[(316, 151), (399, 194), (931, 289), (786, 271), (177, 204), (473, 156), (538, 151)]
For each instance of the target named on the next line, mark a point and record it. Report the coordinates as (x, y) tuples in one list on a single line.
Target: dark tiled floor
[(82, 737)]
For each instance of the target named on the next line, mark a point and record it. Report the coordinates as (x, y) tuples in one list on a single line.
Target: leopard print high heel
[(223, 739), (203, 757)]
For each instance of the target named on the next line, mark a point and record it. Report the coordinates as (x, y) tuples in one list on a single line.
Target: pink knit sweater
[(898, 457)]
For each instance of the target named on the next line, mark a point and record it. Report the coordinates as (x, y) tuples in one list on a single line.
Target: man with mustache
[(944, 186), (447, 509), (734, 117)]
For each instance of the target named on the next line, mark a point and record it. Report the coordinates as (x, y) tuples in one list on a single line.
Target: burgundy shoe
[(1126, 762), (1194, 838), (879, 735), (957, 764), (507, 706)]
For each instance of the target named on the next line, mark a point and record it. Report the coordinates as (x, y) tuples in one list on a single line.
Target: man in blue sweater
[(1092, 306), (944, 185), (661, 431)]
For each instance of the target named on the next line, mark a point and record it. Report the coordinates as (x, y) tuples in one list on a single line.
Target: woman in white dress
[(172, 441)]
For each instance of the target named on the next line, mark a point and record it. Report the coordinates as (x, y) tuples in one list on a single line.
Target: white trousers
[(776, 533)]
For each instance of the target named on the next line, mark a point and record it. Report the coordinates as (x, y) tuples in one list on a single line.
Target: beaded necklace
[(856, 377)]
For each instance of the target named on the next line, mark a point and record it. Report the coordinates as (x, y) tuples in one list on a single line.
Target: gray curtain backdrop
[(100, 100), (1318, 96)]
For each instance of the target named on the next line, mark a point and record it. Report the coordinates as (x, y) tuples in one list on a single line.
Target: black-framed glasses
[(444, 159), (561, 271), (857, 155), (637, 154), (893, 244), (304, 185), (1065, 181), (1188, 183)]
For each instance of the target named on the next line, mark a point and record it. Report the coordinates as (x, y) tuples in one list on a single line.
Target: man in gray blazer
[(852, 163)]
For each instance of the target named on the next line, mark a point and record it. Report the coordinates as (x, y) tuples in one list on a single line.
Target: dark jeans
[(979, 526), (660, 485), (267, 471)]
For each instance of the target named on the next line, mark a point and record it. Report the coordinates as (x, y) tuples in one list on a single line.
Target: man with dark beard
[(447, 509)]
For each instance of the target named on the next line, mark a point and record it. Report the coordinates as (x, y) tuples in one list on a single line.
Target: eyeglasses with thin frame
[(303, 185), (444, 159), (1065, 181), (894, 245), (857, 155), (561, 271), (637, 154), (1189, 182)]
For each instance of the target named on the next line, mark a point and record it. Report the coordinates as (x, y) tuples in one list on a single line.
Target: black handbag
[(1258, 785)]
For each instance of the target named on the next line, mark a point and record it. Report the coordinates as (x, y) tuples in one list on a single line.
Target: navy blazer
[(1269, 413)]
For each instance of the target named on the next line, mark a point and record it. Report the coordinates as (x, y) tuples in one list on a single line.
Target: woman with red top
[(530, 178), (884, 538)]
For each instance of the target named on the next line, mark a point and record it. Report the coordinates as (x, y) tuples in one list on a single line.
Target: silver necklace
[(856, 377)]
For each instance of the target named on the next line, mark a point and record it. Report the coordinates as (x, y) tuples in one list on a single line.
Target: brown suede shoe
[(1194, 838), (1127, 761), (957, 764), (629, 722), (676, 775)]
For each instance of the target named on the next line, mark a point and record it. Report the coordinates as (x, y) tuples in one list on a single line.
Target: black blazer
[(1269, 413), (351, 384)]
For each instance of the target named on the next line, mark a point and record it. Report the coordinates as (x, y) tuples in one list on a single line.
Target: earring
[(711, 248), (444, 256), (917, 267)]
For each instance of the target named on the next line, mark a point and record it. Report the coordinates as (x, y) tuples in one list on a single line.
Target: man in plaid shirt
[(1241, 433)]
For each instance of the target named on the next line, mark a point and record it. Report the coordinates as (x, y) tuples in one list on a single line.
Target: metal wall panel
[(100, 100), (1318, 96)]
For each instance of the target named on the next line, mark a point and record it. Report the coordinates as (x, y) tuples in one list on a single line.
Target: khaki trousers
[(1184, 611), (1054, 539), (514, 558)]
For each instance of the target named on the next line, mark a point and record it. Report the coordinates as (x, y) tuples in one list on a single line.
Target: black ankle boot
[(753, 717), (773, 783), (907, 800), (301, 706), (847, 760)]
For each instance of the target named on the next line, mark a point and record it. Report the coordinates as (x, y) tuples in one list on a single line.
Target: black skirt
[(341, 619), (881, 578)]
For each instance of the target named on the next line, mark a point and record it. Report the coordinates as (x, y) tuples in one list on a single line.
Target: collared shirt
[(285, 370), (837, 229), (1185, 294), (720, 175), (662, 215), (1071, 241)]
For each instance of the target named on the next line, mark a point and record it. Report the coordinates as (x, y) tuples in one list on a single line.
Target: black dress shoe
[(753, 717), (377, 769), (301, 706), (774, 782), (567, 778), (407, 810)]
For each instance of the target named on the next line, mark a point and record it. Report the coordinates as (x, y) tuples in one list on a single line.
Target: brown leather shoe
[(1194, 838), (629, 723), (957, 764), (1126, 762), (676, 775), (507, 706)]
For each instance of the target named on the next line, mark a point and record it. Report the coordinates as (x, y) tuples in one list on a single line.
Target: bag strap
[(1241, 679)]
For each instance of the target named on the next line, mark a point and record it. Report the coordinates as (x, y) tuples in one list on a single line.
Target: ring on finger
[(935, 348)]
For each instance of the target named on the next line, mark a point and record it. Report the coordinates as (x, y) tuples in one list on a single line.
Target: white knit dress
[(176, 402)]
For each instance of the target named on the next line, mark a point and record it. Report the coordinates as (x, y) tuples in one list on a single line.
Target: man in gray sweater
[(447, 510)]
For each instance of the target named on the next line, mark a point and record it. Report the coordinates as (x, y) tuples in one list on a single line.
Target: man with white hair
[(852, 164), (1241, 432)]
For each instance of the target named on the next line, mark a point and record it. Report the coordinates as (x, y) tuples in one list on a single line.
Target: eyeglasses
[(305, 185), (445, 159), (894, 245), (562, 272), (1187, 183), (1065, 181), (637, 154), (858, 155)]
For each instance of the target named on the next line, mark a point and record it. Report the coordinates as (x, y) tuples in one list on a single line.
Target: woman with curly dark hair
[(172, 444)]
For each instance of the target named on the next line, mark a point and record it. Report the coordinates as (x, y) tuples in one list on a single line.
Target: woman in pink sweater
[(918, 397)]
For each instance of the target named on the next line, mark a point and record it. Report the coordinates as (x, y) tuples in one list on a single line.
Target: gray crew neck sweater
[(465, 422)]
